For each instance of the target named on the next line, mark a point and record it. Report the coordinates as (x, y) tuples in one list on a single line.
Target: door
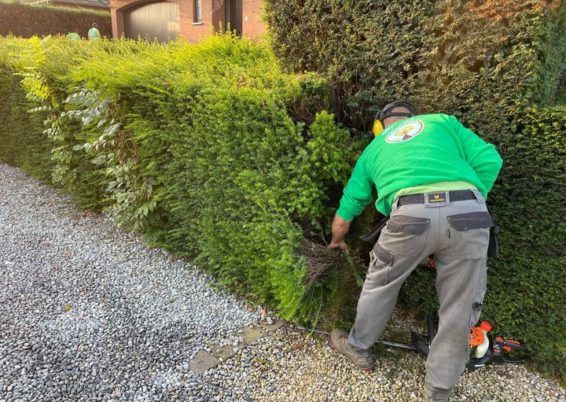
[(233, 9), (154, 21)]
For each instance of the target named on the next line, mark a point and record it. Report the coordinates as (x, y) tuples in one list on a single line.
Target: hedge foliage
[(17, 146), (496, 65), (209, 150), (215, 153)]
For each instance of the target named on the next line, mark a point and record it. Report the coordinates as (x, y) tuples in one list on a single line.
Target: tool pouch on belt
[(493, 248), (372, 236)]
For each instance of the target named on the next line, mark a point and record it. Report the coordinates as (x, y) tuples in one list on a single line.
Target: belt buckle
[(437, 199)]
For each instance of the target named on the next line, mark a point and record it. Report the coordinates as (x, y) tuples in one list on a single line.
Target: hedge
[(215, 153), (496, 65), (17, 146), (208, 150)]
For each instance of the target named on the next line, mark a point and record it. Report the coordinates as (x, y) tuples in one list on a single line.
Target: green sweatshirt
[(93, 34), (420, 151)]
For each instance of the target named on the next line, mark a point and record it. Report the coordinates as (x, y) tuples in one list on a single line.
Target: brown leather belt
[(438, 196)]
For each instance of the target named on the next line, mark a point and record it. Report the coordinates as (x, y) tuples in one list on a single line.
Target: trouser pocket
[(469, 234), (380, 262), (405, 234), (470, 220)]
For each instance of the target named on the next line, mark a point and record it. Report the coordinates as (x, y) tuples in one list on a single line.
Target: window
[(197, 17)]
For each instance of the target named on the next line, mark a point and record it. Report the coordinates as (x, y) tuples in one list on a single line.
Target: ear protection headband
[(387, 112)]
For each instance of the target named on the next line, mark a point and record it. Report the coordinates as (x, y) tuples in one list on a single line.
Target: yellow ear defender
[(387, 112), (377, 127)]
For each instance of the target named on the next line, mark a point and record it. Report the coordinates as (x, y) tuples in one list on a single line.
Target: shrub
[(195, 147), (17, 147)]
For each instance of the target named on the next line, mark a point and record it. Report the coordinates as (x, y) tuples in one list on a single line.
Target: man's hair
[(401, 109), (94, 25), (392, 109)]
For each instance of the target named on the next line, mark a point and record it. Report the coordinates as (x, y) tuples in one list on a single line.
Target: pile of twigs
[(320, 259)]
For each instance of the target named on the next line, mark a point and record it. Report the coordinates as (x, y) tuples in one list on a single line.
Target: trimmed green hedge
[(209, 150), (495, 65), (476, 59), (17, 146), (215, 153)]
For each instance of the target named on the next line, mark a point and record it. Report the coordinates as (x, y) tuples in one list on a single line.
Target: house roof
[(83, 3)]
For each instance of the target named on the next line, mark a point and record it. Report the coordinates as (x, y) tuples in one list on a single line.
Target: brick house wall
[(213, 17), (252, 22), (26, 21)]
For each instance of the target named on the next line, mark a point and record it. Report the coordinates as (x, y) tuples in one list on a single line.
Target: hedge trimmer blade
[(386, 343)]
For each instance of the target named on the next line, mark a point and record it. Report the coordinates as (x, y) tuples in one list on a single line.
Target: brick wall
[(192, 31), (27, 21), (212, 17), (252, 24)]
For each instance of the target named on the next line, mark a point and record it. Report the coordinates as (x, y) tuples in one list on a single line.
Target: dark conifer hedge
[(496, 65)]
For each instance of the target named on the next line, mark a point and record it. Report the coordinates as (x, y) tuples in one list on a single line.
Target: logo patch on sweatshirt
[(405, 132)]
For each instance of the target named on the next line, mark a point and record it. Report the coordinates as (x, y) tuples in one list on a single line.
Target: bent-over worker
[(432, 177)]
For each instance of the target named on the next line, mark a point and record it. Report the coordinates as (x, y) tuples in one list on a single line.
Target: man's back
[(427, 170), (419, 151), (93, 33)]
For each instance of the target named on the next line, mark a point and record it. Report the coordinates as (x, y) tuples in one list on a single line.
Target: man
[(74, 36), (93, 32), (432, 176)]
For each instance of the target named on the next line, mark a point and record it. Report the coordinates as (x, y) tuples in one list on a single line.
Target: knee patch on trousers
[(477, 302)]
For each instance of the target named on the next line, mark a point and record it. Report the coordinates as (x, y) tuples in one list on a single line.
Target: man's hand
[(341, 245), (339, 229)]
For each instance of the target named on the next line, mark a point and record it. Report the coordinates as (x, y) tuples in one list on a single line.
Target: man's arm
[(340, 227), (357, 195), (482, 156)]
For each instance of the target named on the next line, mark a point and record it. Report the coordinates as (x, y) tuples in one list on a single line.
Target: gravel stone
[(89, 313)]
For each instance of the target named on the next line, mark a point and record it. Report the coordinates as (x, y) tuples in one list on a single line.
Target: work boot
[(363, 359), (433, 394)]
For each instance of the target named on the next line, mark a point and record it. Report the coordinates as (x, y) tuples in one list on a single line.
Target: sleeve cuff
[(347, 216)]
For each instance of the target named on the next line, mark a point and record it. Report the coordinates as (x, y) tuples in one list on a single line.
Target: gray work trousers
[(457, 233)]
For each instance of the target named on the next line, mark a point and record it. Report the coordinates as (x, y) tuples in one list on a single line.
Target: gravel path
[(88, 313)]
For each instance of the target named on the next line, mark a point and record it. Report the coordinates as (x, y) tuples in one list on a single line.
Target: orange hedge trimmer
[(483, 350)]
